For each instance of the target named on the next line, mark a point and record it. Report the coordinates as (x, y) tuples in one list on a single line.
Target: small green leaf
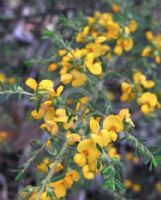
[(19, 177), (57, 178), (51, 194), (99, 147)]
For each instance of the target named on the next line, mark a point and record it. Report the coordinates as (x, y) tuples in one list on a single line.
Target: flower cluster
[(140, 87), (90, 148), (88, 154), (135, 187), (153, 50), (75, 111), (58, 187), (101, 39), (4, 79)]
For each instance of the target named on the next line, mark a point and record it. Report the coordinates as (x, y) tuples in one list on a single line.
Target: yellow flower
[(112, 152), (101, 137), (73, 138), (149, 35), (91, 20), (133, 25), (37, 114), (78, 78), (62, 52), (58, 168), (118, 50), (94, 68), (127, 30), (148, 102), (140, 79), (125, 43), (113, 123), (128, 183), (158, 186), (88, 152), (82, 102), (94, 125), (31, 83), (52, 67), (146, 52), (70, 177), (113, 30), (96, 49), (125, 115), (100, 39), (60, 115), (75, 77), (103, 18), (82, 35), (80, 159), (43, 166), (42, 197), (3, 136), (136, 187), (158, 59), (115, 8), (59, 188), (79, 53), (51, 127), (69, 124), (46, 85), (87, 173), (127, 93), (44, 110)]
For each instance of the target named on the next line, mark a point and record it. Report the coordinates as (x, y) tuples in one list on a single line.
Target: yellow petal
[(59, 90), (95, 68), (97, 139), (85, 145), (46, 85), (78, 78), (61, 115), (49, 114), (113, 136), (37, 114), (105, 137), (101, 39), (73, 138), (94, 125), (118, 50), (52, 67), (90, 58), (80, 159), (93, 154), (86, 173), (59, 190), (66, 78), (113, 123), (31, 83)]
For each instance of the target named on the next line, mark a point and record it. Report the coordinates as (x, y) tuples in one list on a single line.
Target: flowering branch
[(51, 171)]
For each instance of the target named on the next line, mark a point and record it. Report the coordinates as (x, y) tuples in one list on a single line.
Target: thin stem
[(5, 92), (140, 145)]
